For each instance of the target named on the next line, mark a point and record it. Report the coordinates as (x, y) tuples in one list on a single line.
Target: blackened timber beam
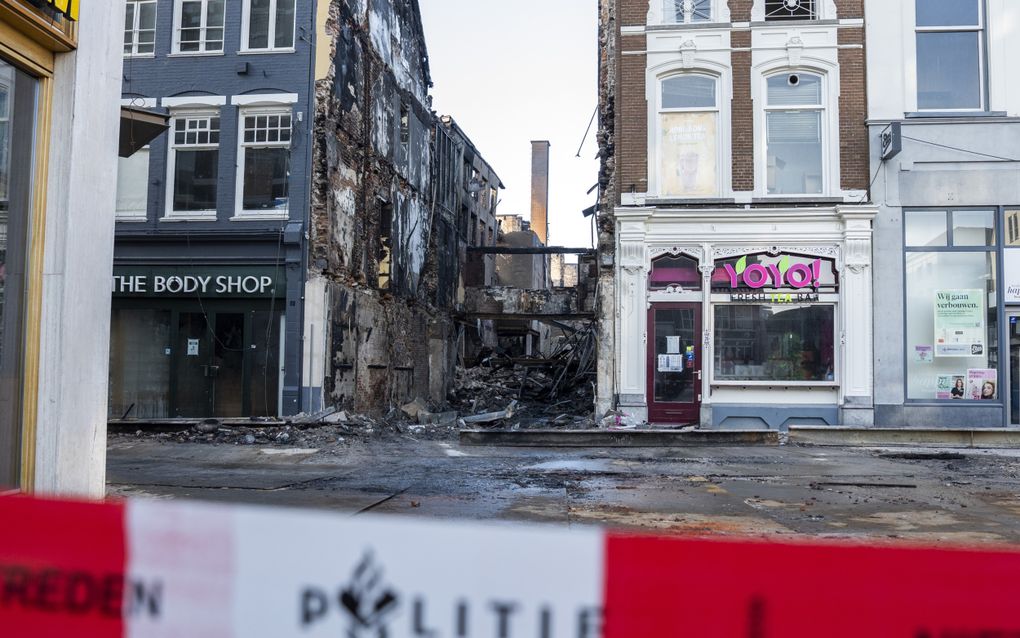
[(528, 250), (527, 316)]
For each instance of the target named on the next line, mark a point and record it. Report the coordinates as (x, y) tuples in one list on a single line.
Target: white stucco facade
[(827, 221)]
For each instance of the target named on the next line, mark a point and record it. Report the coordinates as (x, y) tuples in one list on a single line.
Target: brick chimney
[(540, 190)]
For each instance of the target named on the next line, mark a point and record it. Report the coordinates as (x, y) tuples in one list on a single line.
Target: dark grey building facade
[(212, 217)]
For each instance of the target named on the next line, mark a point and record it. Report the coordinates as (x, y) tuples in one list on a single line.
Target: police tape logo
[(366, 600)]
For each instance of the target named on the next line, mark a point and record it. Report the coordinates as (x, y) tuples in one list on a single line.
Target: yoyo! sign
[(784, 274)]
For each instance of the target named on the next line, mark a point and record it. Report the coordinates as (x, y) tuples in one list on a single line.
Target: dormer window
[(686, 11), (777, 10)]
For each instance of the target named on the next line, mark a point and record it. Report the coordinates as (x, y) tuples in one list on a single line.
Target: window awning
[(138, 127)]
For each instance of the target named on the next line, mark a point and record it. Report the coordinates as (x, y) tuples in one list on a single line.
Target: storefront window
[(675, 271), (778, 343), (17, 130), (951, 306)]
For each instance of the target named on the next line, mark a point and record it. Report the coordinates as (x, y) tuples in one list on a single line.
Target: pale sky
[(512, 72)]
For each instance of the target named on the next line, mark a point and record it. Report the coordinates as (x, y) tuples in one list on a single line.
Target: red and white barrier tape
[(155, 569)]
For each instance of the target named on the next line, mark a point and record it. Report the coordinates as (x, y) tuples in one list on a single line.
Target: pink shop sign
[(784, 274)]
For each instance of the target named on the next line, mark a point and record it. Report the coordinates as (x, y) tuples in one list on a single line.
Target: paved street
[(931, 496)]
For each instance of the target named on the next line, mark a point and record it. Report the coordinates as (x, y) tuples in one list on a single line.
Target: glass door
[(674, 363)]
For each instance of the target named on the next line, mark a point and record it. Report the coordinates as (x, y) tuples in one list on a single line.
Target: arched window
[(688, 136), (794, 121), (684, 12), (674, 271)]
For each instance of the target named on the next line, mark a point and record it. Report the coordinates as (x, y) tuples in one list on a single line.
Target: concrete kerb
[(923, 437), (618, 438)]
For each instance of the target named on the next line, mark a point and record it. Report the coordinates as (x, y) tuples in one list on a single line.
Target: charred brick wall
[(372, 238)]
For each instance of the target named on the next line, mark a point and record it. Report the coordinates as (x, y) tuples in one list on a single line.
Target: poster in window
[(960, 323), (689, 161), (951, 386), (982, 384), (923, 354), (1012, 275), (671, 363)]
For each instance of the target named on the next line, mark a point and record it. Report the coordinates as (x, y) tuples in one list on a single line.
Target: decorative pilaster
[(856, 303), (633, 315), (707, 267)]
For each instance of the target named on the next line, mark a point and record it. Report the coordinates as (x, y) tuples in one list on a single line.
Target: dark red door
[(674, 363)]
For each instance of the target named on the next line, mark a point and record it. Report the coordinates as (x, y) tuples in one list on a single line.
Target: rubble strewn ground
[(500, 392)]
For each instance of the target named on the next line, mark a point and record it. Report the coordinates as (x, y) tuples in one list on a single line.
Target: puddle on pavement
[(583, 466)]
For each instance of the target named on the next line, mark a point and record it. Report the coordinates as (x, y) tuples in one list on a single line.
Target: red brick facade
[(631, 114)]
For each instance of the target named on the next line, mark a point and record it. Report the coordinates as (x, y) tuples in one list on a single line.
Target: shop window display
[(951, 306), (775, 343)]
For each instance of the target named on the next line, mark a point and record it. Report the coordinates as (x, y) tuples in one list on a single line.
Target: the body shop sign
[(208, 282)]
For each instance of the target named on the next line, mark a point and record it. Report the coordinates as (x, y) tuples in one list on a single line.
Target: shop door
[(674, 363), (210, 364), (1014, 369)]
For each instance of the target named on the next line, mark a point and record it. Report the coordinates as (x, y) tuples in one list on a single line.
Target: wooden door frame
[(651, 359)]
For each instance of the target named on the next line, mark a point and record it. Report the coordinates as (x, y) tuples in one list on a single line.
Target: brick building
[(734, 219)]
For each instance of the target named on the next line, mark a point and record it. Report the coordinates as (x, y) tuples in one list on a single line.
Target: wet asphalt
[(930, 496)]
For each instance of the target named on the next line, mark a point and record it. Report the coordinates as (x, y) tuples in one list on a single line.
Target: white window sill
[(193, 54), (189, 217), (822, 385), (260, 217), (139, 55), (131, 219), (265, 51)]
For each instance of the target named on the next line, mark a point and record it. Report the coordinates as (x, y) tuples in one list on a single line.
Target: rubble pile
[(531, 392)]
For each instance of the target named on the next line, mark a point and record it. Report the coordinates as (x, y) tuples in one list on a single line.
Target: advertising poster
[(689, 157), (1012, 275), (951, 386), (923, 354), (982, 384), (959, 323)]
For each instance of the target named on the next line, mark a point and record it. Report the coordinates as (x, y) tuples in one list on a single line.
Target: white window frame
[(271, 46), (829, 126), (135, 30), (979, 28), (671, 7), (171, 165), (722, 153), (824, 10), (240, 214), (178, 7)]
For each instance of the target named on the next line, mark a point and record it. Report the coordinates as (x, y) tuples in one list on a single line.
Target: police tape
[(160, 569)]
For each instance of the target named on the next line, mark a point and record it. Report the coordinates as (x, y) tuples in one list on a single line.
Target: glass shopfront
[(17, 138), (775, 319), (192, 342), (952, 306), (771, 319)]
